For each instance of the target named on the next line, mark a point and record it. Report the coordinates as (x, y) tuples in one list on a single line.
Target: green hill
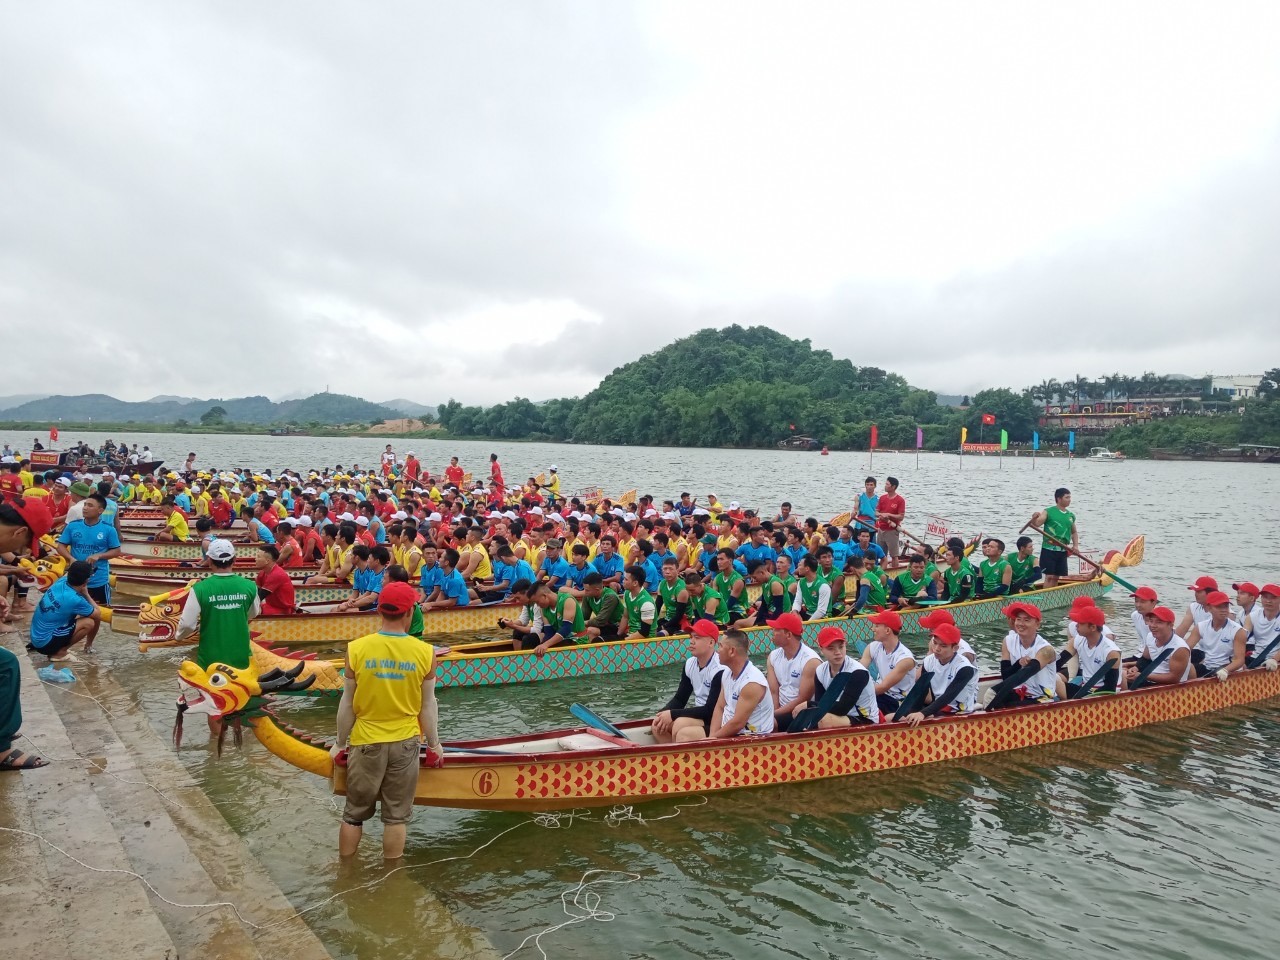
[(324, 408)]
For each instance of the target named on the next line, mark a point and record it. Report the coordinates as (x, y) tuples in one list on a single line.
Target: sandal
[(17, 759)]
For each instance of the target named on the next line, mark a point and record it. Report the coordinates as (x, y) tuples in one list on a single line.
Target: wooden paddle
[(1146, 671), (808, 718), (593, 719), (1076, 553)]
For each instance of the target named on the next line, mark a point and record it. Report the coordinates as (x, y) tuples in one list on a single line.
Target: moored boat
[(585, 766)]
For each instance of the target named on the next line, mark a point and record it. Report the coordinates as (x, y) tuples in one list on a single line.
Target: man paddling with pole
[(1058, 526)]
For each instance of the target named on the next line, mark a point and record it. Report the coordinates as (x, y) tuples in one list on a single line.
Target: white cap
[(555, 518), (65, 481), (410, 453), (630, 517), (399, 515), (701, 512), (494, 515), (575, 514), (362, 521), (310, 491), (195, 487), (733, 504), (304, 521), (537, 510), (348, 517), (651, 512), (553, 468), (618, 512), (435, 517), (8, 460), (511, 515), (221, 550)]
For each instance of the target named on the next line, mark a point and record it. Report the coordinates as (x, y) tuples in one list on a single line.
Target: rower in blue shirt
[(554, 567), (507, 569), (871, 553)]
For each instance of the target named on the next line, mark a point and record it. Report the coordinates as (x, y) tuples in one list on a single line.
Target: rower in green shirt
[(957, 577), (705, 602), (994, 573), (604, 609), (1023, 562)]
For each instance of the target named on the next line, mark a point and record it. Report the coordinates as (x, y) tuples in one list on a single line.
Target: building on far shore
[(1236, 386)]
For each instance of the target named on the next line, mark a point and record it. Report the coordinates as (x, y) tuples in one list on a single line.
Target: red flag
[(988, 418), (793, 426), (875, 435), (53, 434)]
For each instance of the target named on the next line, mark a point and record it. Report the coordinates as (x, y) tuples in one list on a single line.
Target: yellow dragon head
[(224, 691), (158, 620), (42, 573)]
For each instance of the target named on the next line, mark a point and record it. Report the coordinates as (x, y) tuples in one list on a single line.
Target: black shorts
[(887, 703), (101, 595), (1053, 563), (57, 643)]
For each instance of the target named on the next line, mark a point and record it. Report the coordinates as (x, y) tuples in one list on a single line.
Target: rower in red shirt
[(412, 467), (275, 588), (454, 473)]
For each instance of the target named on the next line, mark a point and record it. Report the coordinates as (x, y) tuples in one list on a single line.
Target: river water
[(1154, 843)]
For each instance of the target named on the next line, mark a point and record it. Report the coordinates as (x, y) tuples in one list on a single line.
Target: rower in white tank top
[(702, 677), (1153, 650), (789, 671), (1092, 658), (1263, 631), (1043, 683), (1218, 643), (1140, 628), (761, 720), (885, 662)]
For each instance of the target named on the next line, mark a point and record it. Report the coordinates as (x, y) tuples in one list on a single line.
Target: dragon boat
[(588, 766), (143, 578), (494, 663)]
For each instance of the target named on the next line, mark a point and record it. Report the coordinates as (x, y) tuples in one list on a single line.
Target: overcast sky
[(488, 200)]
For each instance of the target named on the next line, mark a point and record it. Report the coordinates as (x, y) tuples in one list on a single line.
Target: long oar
[(808, 718), (1076, 553), (593, 719), (1089, 684), (1146, 671), (1259, 658)]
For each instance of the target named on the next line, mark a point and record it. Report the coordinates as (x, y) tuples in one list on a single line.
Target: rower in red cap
[(1217, 644), (791, 668), (953, 680), (1264, 625), (895, 664), (1196, 609), (1027, 657), (700, 682), (1177, 666)]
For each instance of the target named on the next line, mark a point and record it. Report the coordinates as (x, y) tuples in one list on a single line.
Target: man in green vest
[(220, 606)]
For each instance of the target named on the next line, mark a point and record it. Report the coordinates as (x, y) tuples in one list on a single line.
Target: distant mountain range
[(411, 409), (323, 408)]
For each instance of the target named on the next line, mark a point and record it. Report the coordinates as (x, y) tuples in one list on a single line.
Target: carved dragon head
[(158, 620), (44, 572), (229, 692)]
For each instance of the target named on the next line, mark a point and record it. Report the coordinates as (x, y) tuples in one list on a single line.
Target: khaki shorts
[(381, 771)]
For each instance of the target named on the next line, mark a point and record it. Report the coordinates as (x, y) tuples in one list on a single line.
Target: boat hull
[(613, 774)]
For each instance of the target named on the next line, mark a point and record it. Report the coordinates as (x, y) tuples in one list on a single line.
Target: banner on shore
[(980, 447)]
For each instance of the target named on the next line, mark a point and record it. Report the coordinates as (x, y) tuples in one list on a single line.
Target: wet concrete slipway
[(126, 835)]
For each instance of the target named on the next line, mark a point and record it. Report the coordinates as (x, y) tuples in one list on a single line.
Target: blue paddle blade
[(593, 719)]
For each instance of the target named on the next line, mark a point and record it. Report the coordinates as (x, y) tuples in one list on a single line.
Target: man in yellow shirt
[(388, 708), (176, 528)]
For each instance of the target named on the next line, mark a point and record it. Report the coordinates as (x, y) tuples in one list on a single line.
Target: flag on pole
[(919, 437), (1035, 441), (875, 435), (1004, 439), (1071, 441), (988, 418), (964, 436), (53, 434)]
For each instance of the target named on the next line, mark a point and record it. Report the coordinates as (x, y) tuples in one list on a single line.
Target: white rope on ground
[(585, 900)]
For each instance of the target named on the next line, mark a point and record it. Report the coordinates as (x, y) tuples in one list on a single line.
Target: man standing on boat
[(388, 710), (891, 510), (864, 511), (1059, 526)]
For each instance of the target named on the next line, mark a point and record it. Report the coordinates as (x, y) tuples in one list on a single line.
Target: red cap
[(947, 633), (789, 622), (397, 599), (706, 628), (829, 635), (936, 618), (1204, 583), (1013, 609), (1079, 602), (1271, 589), (1245, 587), (36, 514), (1144, 593), (1163, 613), (1089, 615), (887, 618), (1216, 598)]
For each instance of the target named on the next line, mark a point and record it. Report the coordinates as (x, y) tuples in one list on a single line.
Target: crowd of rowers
[(723, 694)]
